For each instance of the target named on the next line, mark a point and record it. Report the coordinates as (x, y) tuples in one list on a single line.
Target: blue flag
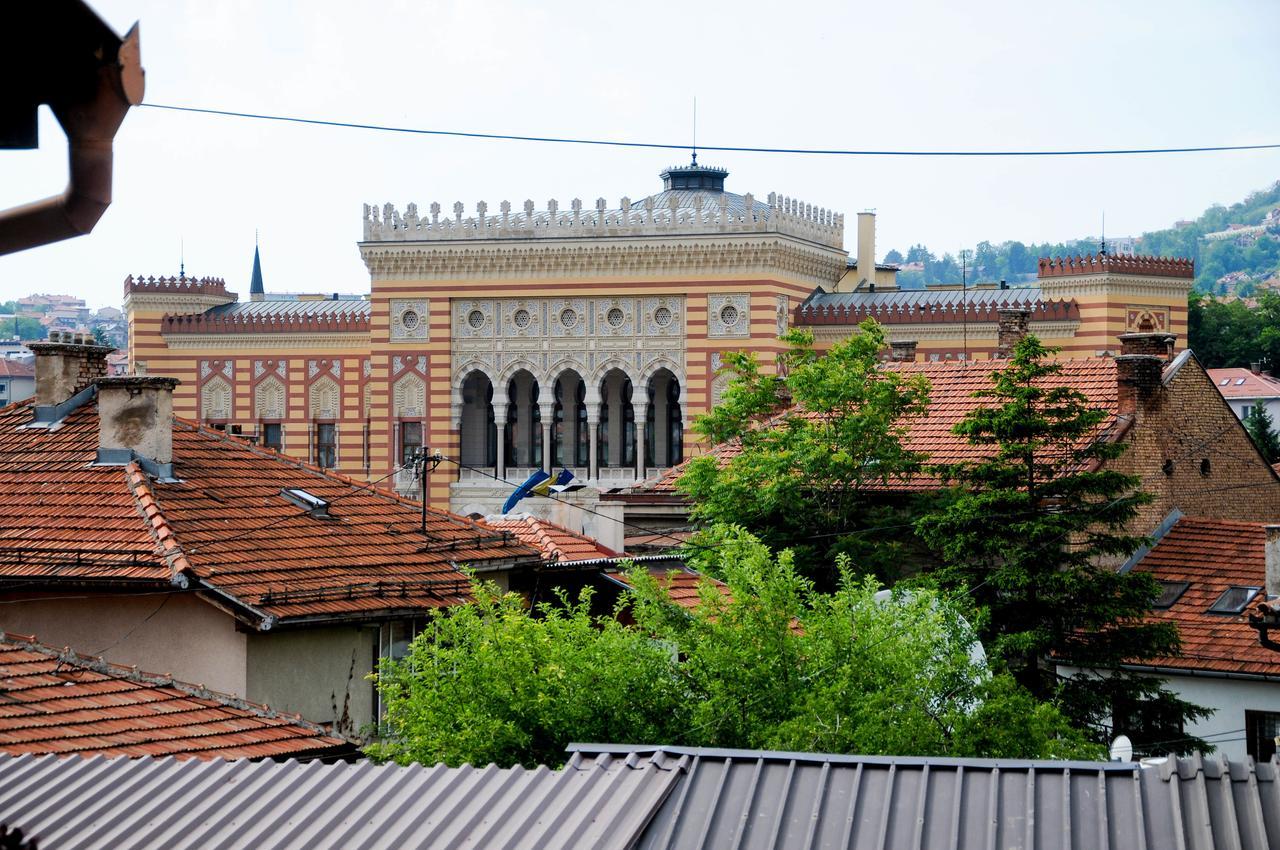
[(525, 489)]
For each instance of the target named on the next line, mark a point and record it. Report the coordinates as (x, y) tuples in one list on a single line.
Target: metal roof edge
[(1170, 520)]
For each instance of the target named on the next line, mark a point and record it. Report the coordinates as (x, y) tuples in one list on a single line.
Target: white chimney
[(866, 248), (135, 422), (1273, 560)]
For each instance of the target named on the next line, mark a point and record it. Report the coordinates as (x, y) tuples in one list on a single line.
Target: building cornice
[(948, 331), (267, 341), (732, 256), (1115, 285)]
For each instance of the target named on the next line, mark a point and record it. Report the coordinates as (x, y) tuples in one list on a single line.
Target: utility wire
[(619, 143)]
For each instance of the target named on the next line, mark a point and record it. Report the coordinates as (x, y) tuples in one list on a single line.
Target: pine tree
[(1261, 429), (1032, 530)]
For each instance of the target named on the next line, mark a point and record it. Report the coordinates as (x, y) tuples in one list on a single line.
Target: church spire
[(256, 291)]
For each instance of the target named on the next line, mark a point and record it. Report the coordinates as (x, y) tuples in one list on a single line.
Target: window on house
[(1234, 600), (1246, 411), (1170, 592), (393, 643), (326, 445), (273, 435), (1261, 729), (410, 441), (237, 430), (218, 426)]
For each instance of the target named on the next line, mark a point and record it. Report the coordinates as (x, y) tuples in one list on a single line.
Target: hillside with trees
[(1232, 265)]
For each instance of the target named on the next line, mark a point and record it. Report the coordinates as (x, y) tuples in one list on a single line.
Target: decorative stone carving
[(409, 398), (216, 399), (522, 318), (615, 316), (663, 316), (569, 317), (473, 319), (325, 399), (784, 314), (270, 399), (729, 315), (408, 319)]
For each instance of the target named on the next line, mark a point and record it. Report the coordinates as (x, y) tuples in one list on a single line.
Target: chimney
[(66, 365), (1156, 343), (1138, 376), (135, 422), (1255, 367), (1273, 560), (904, 350), (1011, 328), (866, 247)]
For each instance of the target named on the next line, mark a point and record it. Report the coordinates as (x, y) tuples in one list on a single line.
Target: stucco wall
[(1231, 698), (177, 633), (319, 673)]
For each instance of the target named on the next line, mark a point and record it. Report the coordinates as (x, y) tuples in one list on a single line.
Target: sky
[(903, 75)]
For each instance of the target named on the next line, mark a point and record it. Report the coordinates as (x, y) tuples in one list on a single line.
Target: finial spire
[(1102, 250), (256, 290), (182, 257), (695, 129)]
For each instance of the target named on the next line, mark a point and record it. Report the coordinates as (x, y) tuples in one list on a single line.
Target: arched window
[(571, 444), (524, 422), (215, 400), (663, 424), (479, 438)]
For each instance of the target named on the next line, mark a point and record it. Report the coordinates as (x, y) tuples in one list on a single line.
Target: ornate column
[(547, 411), (593, 439), (500, 426), (640, 408)]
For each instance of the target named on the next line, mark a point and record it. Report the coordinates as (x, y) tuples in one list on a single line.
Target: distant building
[(17, 381), (1245, 389), (1123, 246)]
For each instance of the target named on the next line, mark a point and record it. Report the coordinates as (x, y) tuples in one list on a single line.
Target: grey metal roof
[(751, 799), (73, 803), (278, 306), (1019, 296), (650, 798)]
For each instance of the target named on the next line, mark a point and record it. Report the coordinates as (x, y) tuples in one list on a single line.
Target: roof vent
[(311, 503)]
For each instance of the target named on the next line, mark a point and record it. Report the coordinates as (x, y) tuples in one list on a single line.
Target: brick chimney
[(1273, 560), (1157, 344), (135, 422), (67, 364), (1138, 377), (903, 350), (1010, 329)]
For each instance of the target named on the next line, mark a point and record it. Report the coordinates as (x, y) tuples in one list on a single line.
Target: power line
[(619, 143)]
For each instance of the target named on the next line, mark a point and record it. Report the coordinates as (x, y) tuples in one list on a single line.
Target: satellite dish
[(1122, 749)]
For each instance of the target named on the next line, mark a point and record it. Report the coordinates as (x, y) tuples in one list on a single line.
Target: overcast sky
[(900, 75)]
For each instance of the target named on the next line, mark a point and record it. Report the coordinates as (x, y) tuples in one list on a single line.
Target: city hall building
[(586, 337)]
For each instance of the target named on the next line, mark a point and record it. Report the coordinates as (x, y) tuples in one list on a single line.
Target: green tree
[(772, 663), (1032, 531), (100, 335), (819, 440), (1262, 430), (894, 256)]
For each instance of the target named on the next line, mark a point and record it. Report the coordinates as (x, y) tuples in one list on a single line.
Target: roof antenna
[(695, 130)]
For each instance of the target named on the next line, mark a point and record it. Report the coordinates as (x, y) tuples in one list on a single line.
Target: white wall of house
[(16, 389), (176, 634), (1232, 698), (1240, 407)]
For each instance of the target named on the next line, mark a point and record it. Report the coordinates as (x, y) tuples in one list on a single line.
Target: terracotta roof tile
[(555, 542), (1212, 555), (10, 368), (951, 397), (224, 521), (55, 701), (681, 584)]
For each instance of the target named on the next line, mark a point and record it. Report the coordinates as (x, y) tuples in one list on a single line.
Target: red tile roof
[(681, 584), (555, 542), (1212, 555), (58, 702), (951, 397), (10, 368), (224, 525), (1243, 383)]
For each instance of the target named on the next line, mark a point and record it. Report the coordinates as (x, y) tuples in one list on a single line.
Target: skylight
[(1239, 381), (313, 504), (1234, 600), (1170, 591), (1224, 382)]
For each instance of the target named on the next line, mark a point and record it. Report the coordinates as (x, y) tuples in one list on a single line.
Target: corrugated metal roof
[(750, 799), (598, 801), (1021, 296)]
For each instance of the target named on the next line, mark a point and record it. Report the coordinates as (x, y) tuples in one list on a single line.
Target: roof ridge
[(132, 674), (158, 525)]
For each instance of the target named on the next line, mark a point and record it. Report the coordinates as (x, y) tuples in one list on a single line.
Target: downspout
[(90, 124)]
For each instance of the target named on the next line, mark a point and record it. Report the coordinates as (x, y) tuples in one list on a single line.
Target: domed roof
[(686, 183)]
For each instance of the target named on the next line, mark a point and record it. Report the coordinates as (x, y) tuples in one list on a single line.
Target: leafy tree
[(1031, 532), (23, 328), (894, 256), (819, 440), (100, 335), (1262, 430), (771, 664)]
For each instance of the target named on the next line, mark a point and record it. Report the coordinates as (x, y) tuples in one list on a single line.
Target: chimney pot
[(135, 421), (1255, 367), (1155, 343), (1011, 327), (904, 350), (1138, 376)]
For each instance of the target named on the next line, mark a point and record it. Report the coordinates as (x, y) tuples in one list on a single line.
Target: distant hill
[(1236, 248)]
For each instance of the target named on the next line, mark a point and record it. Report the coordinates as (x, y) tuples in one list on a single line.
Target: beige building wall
[(320, 673), (174, 634)]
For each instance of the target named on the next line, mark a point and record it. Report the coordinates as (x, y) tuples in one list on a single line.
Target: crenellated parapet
[(181, 285), (1143, 266), (710, 213), (216, 323), (926, 313)]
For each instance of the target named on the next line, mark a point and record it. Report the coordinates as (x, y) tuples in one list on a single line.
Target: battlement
[(1118, 264), (177, 285), (710, 213), (926, 313), (239, 323)]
